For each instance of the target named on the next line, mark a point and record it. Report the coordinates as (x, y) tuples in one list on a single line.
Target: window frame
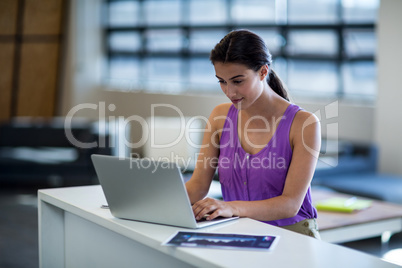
[(185, 53)]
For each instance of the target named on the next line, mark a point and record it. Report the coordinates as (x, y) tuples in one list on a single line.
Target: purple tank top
[(259, 176)]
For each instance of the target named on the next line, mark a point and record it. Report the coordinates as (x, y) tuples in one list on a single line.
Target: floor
[(19, 231)]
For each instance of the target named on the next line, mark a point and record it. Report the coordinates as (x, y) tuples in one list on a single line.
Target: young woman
[(265, 148)]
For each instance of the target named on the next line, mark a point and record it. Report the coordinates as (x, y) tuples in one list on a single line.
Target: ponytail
[(276, 84)]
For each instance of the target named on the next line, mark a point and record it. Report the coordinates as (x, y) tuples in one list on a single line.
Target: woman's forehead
[(230, 69)]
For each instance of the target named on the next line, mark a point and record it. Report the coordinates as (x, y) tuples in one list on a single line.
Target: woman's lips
[(237, 100)]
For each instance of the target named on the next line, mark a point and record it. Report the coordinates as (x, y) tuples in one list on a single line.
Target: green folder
[(340, 204)]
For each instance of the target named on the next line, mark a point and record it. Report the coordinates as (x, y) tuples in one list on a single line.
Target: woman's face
[(241, 85)]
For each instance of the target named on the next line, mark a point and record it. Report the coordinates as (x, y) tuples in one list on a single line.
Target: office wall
[(83, 77), (388, 127), (30, 40)]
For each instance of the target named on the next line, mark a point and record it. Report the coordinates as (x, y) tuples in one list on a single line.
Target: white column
[(388, 128)]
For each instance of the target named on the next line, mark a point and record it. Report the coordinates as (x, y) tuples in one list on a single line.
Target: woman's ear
[(264, 70)]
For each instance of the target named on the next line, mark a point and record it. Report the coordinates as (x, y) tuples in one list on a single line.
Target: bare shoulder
[(304, 118), (306, 127), (218, 115), (221, 109)]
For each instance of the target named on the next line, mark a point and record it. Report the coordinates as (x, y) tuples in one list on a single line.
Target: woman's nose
[(229, 91)]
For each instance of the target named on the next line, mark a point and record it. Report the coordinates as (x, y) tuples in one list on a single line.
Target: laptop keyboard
[(205, 218)]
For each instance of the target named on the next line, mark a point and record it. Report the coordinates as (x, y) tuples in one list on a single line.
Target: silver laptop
[(145, 190)]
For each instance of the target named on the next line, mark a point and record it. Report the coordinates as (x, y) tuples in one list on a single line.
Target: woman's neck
[(269, 104)]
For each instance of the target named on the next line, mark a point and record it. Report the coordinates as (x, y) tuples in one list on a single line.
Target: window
[(319, 47)]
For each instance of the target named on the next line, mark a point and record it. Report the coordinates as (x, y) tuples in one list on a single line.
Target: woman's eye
[(237, 81), (221, 82)]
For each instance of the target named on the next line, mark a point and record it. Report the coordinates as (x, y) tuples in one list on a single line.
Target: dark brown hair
[(246, 47)]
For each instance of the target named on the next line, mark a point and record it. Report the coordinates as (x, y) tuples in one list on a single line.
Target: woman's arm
[(198, 185), (305, 138)]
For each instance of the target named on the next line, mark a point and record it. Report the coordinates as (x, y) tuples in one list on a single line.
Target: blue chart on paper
[(221, 240)]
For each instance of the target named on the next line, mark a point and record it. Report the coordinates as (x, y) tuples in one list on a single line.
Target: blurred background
[(86, 67)]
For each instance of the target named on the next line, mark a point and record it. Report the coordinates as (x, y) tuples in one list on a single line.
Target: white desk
[(75, 232)]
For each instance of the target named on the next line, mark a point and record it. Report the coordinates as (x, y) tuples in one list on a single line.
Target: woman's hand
[(214, 208)]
